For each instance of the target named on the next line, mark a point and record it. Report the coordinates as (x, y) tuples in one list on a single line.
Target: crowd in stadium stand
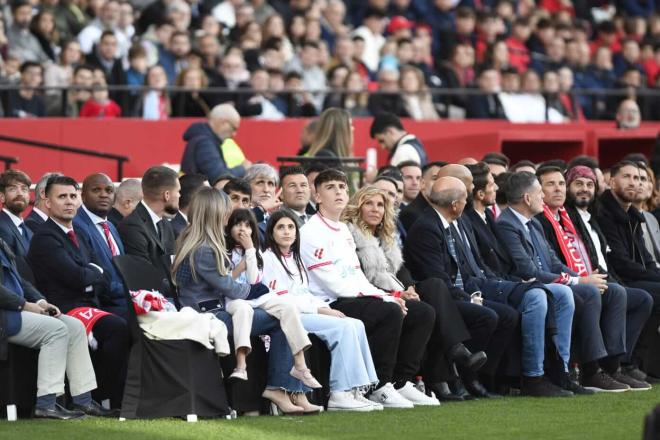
[(523, 60), (427, 281)]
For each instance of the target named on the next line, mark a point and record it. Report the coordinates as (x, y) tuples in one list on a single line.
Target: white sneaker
[(344, 401), (357, 395), (389, 397), (411, 393)]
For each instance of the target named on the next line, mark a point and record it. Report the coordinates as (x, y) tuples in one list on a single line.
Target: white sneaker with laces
[(357, 395), (411, 393), (344, 401), (389, 397)]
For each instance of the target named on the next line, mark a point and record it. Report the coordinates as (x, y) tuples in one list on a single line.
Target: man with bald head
[(208, 150), (436, 247), (91, 221), (127, 196)]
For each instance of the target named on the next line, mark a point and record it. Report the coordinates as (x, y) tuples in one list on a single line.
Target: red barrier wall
[(148, 143)]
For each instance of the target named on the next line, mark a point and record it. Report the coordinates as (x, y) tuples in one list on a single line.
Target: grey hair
[(445, 197), (129, 189), (262, 169), (41, 186), (517, 185)]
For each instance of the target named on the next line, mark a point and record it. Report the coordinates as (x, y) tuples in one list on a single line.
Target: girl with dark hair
[(352, 370), (246, 265)]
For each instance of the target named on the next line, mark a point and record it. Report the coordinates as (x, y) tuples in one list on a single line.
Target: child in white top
[(242, 234)]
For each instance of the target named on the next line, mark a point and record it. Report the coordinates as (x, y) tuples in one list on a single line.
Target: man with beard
[(21, 41), (91, 221), (621, 226), (609, 338), (146, 232), (581, 188), (15, 197)]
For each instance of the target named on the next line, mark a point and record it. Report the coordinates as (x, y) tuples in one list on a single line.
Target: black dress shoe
[(458, 389), (465, 358), (96, 410), (57, 412), (541, 387), (443, 393), (475, 388)]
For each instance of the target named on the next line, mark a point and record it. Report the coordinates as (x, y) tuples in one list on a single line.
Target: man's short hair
[(238, 185), (41, 185), (156, 180), (190, 183), (409, 163), (392, 173), (129, 188), (329, 175), (501, 181), (624, 163), (559, 163), (383, 121), (262, 169), (386, 178), (547, 169), (29, 64), (437, 163), (639, 158), (60, 180), (480, 172), (445, 197), (11, 176), (522, 163), (518, 185), (291, 171), (495, 158), (107, 33)]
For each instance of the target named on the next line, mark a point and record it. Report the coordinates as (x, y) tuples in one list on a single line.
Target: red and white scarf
[(568, 242)]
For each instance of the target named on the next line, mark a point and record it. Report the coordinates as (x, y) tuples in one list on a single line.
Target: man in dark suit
[(28, 320), (91, 221), (534, 258), (488, 104), (127, 196), (438, 245), (190, 183), (414, 209), (15, 197), (39, 213), (481, 219), (146, 232), (68, 275), (295, 192)]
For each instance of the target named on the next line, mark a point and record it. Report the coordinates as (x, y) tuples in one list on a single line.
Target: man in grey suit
[(534, 258)]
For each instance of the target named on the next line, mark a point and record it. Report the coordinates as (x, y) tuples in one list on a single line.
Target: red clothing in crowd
[(518, 54), (95, 109)]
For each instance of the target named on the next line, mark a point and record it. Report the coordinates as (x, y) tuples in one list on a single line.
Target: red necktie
[(111, 245), (73, 238), (494, 209)]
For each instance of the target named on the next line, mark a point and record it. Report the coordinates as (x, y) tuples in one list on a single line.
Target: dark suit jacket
[(141, 239), (517, 240), (489, 244), (62, 271), (34, 221), (178, 224), (413, 211), (10, 302), (115, 296), (17, 242), (115, 217)]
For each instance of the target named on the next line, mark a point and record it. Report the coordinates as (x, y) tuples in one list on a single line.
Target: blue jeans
[(280, 359), (351, 365), (534, 308)]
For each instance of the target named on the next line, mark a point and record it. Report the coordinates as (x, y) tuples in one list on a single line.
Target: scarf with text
[(568, 242)]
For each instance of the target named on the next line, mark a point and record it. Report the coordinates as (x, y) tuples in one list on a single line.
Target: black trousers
[(492, 327), (647, 352), (397, 343), (110, 359), (448, 329)]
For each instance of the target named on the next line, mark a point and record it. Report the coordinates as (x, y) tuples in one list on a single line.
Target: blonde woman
[(370, 217), (334, 135), (202, 275)]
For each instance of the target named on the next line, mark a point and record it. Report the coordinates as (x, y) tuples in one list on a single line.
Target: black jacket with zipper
[(623, 232)]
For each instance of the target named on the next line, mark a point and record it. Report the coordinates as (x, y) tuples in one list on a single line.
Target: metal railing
[(8, 161), (67, 149)]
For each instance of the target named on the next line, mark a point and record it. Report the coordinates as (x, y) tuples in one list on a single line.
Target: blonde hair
[(652, 202), (208, 212), (333, 132), (387, 229)]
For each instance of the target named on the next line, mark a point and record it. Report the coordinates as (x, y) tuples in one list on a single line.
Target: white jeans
[(63, 349)]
